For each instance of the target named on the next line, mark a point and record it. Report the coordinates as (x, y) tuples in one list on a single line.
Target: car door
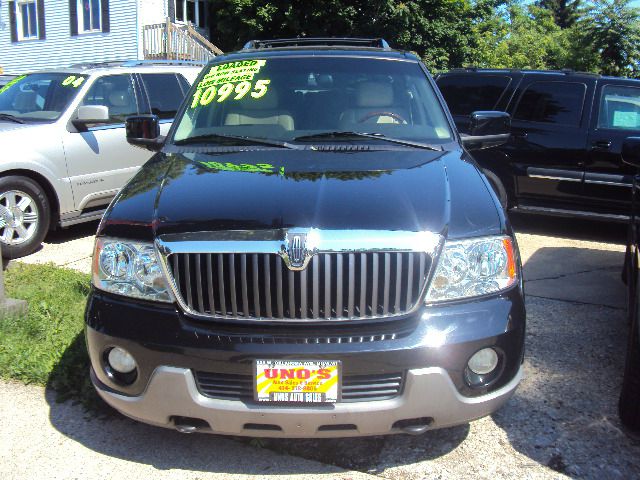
[(547, 149), (608, 179), (99, 160)]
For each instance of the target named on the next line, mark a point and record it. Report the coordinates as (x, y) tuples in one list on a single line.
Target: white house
[(37, 34)]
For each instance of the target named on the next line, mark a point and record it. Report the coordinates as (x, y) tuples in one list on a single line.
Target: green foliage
[(600, 37), (47, 346), (437, 30), (612, 30), (565, 12)]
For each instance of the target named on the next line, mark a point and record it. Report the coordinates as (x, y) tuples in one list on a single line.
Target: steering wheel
[(395, 116)]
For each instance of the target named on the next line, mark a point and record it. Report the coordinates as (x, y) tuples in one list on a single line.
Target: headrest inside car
[(269, 101), (374, 94)]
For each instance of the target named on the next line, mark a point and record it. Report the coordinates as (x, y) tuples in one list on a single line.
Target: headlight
[(474, 267), (129, 268)]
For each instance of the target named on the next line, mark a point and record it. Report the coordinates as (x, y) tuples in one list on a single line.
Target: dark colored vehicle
[(567, 133), (630, 395), (311, 252)]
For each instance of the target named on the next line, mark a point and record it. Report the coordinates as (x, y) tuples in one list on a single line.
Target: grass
[(47, 346)]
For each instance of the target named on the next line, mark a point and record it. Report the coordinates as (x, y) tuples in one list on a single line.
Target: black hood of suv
[(390, 189)]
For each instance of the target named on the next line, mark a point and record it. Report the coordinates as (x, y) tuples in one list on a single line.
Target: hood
[(398, 189), (7, 126)]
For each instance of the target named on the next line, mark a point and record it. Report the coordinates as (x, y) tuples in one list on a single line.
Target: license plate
[(297, 381)]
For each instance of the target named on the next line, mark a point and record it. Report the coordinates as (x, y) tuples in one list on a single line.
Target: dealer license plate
[(297, 381)]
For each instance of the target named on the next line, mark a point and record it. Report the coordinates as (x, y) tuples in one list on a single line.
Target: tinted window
[(115, 92), (552, 102), (164, 92), (619, 108), (467, 93)]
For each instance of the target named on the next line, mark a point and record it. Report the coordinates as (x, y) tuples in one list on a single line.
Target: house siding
[(60, 49)]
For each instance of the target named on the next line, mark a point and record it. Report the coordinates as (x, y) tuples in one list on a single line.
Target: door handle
[(601, 145)]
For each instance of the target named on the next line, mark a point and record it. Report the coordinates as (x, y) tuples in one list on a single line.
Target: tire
[(498, 188), (25, 216), (629, 405)]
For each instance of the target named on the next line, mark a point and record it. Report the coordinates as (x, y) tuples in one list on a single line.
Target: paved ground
[(561, 422)]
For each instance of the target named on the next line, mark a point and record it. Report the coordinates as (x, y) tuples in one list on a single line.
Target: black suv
[(567, 133), (311, 252)]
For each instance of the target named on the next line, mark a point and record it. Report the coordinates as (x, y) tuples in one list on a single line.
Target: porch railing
[(168, 41)]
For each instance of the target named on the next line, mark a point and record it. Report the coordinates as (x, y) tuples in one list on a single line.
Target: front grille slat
[(398, 281), (198, 274), (333, 286), (339, 305), (407, 303), (352, 286), (303, 294), (355, 388), (387, 282), (267, 286), (232, 285), (279, 289), (221, 289), (256, 285)]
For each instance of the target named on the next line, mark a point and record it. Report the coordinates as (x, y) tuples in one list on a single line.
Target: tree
[(613, 30), (440, 31), (520, 37), (565, 12)]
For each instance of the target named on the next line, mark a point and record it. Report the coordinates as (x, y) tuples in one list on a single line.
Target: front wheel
[(24, 216)]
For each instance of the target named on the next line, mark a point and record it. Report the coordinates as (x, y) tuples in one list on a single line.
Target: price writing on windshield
[(12, 82), (223, 92), (73, 81), (234, 80)]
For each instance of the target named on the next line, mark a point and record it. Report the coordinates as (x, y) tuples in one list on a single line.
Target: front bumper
[(429, 393), (169, 347)]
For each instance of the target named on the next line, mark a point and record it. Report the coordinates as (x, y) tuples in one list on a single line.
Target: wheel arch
[(41, 180)]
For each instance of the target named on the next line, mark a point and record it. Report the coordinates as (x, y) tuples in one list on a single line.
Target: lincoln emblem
[(297, 249)]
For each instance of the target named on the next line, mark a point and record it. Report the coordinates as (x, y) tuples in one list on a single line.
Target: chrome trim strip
[(570, 213), (322, 241), (550, 177)]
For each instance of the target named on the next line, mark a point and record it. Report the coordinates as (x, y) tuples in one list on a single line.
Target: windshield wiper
[(223, 136), (375, 136), (11, 118)]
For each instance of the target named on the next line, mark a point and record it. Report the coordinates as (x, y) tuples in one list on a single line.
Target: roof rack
[(317, 42), (136, 63), (563, 71)]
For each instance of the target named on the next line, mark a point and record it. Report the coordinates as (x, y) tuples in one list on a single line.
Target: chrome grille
[(355, 388), (334, 286)]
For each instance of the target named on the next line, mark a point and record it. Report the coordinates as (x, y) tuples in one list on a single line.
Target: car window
[(164, 92), (619, 108), (39, 97), (285, 98), (115, 92), (552, 102), (468, 93)]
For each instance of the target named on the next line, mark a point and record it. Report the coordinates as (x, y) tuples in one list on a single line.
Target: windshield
[(39, 97), (289, 99)]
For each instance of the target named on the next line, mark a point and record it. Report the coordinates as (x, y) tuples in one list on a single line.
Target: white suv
[(64, 152)]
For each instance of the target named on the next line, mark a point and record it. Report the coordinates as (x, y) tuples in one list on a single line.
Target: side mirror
[(90, 114), (144, 131), (487, 129), (631, 151)]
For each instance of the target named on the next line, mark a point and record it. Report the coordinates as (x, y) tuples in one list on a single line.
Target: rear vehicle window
[(164, 92), (115, 92), (619, 108), (468, 93), (552, 102), (285, 98)]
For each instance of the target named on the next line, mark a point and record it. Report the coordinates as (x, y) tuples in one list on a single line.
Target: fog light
[(121, 361), (483, 361)]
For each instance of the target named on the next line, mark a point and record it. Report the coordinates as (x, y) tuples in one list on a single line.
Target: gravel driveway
[(561, 422)]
